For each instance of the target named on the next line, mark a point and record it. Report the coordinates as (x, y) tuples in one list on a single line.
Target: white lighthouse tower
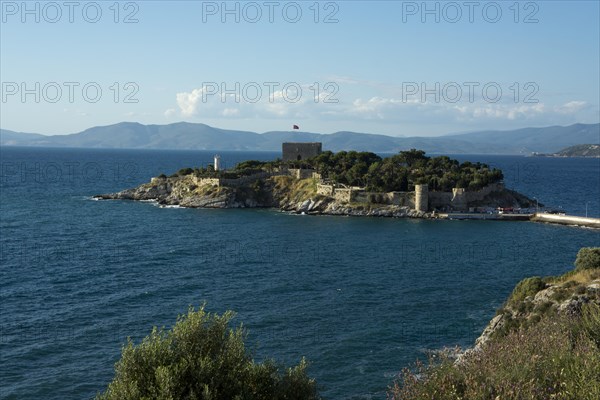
[(217, 164)]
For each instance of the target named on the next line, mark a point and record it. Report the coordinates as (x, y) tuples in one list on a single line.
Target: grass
[(538, 352), (295, 190), (555, 358)]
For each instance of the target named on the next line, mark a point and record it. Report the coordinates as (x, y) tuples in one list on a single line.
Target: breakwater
[(566, 220)]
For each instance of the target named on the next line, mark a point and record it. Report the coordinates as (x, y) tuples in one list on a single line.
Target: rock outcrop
[(566, 296), (283, 192)]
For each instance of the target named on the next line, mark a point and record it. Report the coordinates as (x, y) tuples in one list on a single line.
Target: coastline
[(300, 196)]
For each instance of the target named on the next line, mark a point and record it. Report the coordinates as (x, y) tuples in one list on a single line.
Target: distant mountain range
[(190, 136)]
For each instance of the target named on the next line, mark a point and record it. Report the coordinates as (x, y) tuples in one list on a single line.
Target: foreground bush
[(558, 358), (202, 358), (588, 258)]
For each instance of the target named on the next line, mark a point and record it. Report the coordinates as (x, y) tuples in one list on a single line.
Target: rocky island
[(309, 181)]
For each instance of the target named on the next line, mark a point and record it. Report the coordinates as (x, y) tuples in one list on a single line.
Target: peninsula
[(580, 150), (307, 180)]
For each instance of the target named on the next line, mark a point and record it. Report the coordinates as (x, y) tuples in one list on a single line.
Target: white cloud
[(188, 102), (571, 107), (231, 112), (393, 110)]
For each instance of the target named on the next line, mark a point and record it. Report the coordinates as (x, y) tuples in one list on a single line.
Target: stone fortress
[(421, 199), (300, 151)]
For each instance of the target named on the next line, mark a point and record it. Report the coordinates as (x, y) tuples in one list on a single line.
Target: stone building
[(300, 151)]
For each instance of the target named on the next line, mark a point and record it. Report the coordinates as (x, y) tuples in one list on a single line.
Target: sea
[(361, 298)]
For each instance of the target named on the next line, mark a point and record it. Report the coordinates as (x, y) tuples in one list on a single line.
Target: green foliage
[(397, 173), (588, 258), (590, 321), (557, 358), (185, 171), (402, 171), (202, 358), (540, 354), (527, 287)]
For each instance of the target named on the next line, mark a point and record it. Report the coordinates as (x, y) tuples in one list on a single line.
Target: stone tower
[(422, 198), (300, 151), (217, 164)]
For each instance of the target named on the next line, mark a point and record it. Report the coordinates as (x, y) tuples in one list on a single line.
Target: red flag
[(296, 127)]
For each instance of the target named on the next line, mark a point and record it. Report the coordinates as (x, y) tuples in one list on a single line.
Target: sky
[(398, 68)]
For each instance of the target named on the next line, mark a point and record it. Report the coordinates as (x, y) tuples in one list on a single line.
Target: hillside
[(192, 136), (544, 343), (580, 150)]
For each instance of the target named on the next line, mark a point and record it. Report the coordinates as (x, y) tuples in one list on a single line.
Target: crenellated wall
[(421, 199)]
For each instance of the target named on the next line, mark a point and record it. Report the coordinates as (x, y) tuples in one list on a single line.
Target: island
[(307, 180)]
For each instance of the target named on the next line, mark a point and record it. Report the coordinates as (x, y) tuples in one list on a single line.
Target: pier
[(566, 220), (561, 219), (484, 216)]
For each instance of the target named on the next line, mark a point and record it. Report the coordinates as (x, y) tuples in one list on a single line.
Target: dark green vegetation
[(557, 358), (588, 258), (202, 358), (397, 173), (402, 171), (244, 168), (538, 353)]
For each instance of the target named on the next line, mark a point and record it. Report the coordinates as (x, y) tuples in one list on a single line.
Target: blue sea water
[(359, 297)]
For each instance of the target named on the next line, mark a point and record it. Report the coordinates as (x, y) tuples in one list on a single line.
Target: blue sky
[(391, 67)]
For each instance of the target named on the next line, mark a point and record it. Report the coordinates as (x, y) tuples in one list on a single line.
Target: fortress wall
[(406, 199), (440, 199), (325, 190), (459, 199), (207, 181), (303, 173), (343, 195), (232, 182), (481, 194)]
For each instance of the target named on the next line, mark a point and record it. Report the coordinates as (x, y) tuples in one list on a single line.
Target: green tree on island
[(201, 357), (399, 172)]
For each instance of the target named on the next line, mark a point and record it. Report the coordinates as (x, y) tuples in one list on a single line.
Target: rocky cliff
[(534, 298), (283, 192)]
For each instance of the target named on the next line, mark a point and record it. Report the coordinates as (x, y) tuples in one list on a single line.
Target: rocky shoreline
[(283, 193), (533, 298)]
